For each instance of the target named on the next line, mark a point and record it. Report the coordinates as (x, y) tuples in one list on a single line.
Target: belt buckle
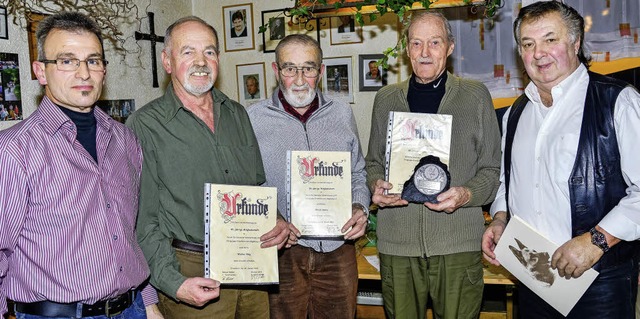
[(107, 309)]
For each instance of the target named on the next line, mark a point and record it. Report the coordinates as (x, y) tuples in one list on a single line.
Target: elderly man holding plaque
[(318, 276), (430, 249)]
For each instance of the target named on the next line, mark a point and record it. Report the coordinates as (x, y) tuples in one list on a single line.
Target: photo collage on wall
[(119, 110), (10, 101)]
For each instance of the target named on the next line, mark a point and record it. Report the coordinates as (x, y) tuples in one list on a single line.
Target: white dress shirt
[(544, 151)]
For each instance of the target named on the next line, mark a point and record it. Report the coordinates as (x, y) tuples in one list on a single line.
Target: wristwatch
[(598, 239)]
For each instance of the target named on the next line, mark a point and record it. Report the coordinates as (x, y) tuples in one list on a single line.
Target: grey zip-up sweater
[(331, 127), (474, 162)]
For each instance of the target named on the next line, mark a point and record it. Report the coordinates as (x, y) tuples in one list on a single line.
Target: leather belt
[(110, 307), (196, 248)]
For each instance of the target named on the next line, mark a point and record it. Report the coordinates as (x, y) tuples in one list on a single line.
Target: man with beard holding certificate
[(193, 135), (318, 277)]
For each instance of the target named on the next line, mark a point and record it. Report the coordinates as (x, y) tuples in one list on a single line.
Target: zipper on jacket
[(306, 136), (304, 125), (422, 235)]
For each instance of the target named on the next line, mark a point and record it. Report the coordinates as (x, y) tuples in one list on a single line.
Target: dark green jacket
[(180, 155)]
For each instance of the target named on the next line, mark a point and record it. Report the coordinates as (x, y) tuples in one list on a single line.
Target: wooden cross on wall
[(151, 36)]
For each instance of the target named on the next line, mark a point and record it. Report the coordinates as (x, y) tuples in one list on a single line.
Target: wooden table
[(492, 276)]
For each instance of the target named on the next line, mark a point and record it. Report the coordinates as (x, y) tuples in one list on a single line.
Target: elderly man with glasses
[(318, 277)]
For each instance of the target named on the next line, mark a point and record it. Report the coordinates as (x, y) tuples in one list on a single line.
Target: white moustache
[(424, 60), (302, 87)]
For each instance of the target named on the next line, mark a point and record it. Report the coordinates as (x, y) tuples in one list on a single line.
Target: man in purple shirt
[(70, 179)]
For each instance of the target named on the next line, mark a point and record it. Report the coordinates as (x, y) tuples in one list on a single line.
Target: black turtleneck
[(426, 98), (86, 129)]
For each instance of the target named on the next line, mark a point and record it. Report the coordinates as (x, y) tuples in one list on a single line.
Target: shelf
[(349, 7), (608, 67)]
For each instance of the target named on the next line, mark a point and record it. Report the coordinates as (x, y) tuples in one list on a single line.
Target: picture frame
[(11, 108), (281, 26), (372, 76), (4, 31), (119, 110), (252, 86), (235, 17), (344, 30), (32, 23), (337, 82)]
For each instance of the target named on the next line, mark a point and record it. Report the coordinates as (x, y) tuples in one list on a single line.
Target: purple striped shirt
[(66, 222)]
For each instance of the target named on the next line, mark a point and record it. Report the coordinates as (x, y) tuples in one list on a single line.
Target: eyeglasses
[(64, 64), (291, 71)]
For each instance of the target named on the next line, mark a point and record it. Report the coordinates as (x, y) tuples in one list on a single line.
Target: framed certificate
[(319, 192), (235, 218), (410, 137)]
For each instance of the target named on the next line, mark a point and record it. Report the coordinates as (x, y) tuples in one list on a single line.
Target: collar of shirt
[(57, 119), (437, 85), (559, 91), (80, 119), (170, 111), (292, 110)]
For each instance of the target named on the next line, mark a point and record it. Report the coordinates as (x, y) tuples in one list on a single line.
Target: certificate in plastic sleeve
[(319, 192), (410, 137), (235, 218)]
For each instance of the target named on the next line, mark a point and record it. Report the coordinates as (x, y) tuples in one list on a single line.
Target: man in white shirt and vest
[(573, 158)]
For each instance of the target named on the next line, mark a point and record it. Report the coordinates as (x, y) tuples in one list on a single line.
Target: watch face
[(598, 239), (430, 179)]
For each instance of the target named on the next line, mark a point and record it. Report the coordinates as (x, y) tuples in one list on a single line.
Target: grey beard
[(296, 103), (197, 90)]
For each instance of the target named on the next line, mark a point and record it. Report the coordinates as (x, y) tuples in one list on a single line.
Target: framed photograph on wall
[(4, 32), (32, 23), (10, 89), (238, 27), (281, 26), (344, 30), (371, 75), (337, 82), (119, 110), (252, 85)]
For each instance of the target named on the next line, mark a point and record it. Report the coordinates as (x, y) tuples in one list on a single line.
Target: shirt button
[(120, 268), (108, 205), (537, 185), (115, 237), (226, 171)]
